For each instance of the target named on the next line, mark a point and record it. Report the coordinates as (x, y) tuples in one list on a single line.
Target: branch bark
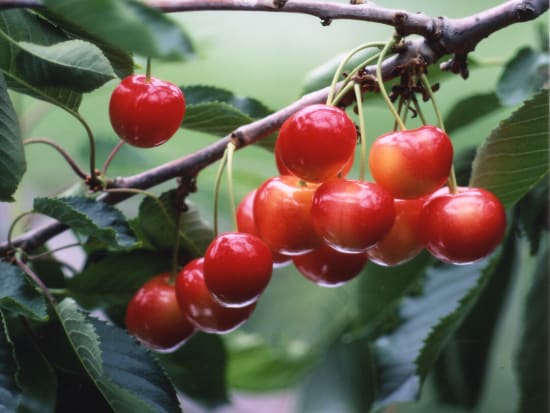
[(440, 37)]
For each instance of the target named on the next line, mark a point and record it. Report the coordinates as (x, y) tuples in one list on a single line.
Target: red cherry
[(155, 318), (464, 227), (403, 242), (352, 216), (316, 142), (330, 268), (246, 223), (237, 268), (200, 307), (282, 215), (146, 112), (411, 163)]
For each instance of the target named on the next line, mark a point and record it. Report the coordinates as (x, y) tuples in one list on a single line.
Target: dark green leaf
[(20, 25), (79, 394), (17, 295), (406, 356), (120, 367), (470, 109), (89, 217), (10, 393), (525, 74), (532, 214), (532, 357), (198, 369), (12, 155), (157, 220), (514, 158), (127, 24)]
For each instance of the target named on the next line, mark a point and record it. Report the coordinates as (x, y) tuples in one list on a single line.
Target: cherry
[(155, 318), (403, 242), (237, 268), (146, 112), (464, 227), (328, 267), (350, 215), (282, 214), (316, 142), (411, 163), (246, 223), (201, 309)]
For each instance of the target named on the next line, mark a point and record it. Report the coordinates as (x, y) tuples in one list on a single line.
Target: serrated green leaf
[(127, 24), (525, 74), (470, 109), (89, 217), (532, 214), (406, 356), (514, 158), (119, 366), (18, 25), (72, 64), (17, 295), (12, 155), (10, 393), (198, 369), (158, 223), (214, 118)]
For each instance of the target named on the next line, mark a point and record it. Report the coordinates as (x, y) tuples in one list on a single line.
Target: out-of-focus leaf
[(514, 158), (10, 393), (532, 214), (471, 109)]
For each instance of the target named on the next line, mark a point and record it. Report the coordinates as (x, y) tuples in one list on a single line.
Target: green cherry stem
[(453, 186), (217, 185), (348, 85), (94, 180), (33, 276), (418, 109), (362, 131), (230, 152), (380, 81), (111, 157), (72, 163), (14, 223)]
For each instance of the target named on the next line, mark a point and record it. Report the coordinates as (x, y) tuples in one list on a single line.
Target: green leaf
[(12, 155), (18, 25), (72, 64), (110, 282), (17, 295), (157, 220), (10, 393), (469, 109), (198, 369), (406, 356), (514, 158), (525, 74), (127, 24), (532, 214), (89, 217), (121, 368), (532, 357)]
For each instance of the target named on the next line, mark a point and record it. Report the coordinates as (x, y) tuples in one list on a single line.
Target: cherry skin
[(201, 309), (155, 318), (237, 268), (462, 228), (146, 112), (316, 142), (403, 242), (351, 215), (411, 163), (328, 267), (282, 214), (246, 223)]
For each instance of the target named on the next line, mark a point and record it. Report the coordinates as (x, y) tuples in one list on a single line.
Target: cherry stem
[(94, 180), (230, 152), (175, 254), (380, 81), (33, 276), (14, 222), (340, 68), (349, 85), (362, 131), (72, 163), (217, 185), (418, 109), (52, 251), (111, 157), (451, 182), (400, 112), (148, 69)]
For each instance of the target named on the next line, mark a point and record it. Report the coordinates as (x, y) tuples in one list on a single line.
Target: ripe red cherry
[(200, 307), (246, 223), (411, 163), (146, 112), (464, 227), (155, 318), (282, 215), (403, 242), (330, 268), (316, 142), (237, 268), (350, 215)]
